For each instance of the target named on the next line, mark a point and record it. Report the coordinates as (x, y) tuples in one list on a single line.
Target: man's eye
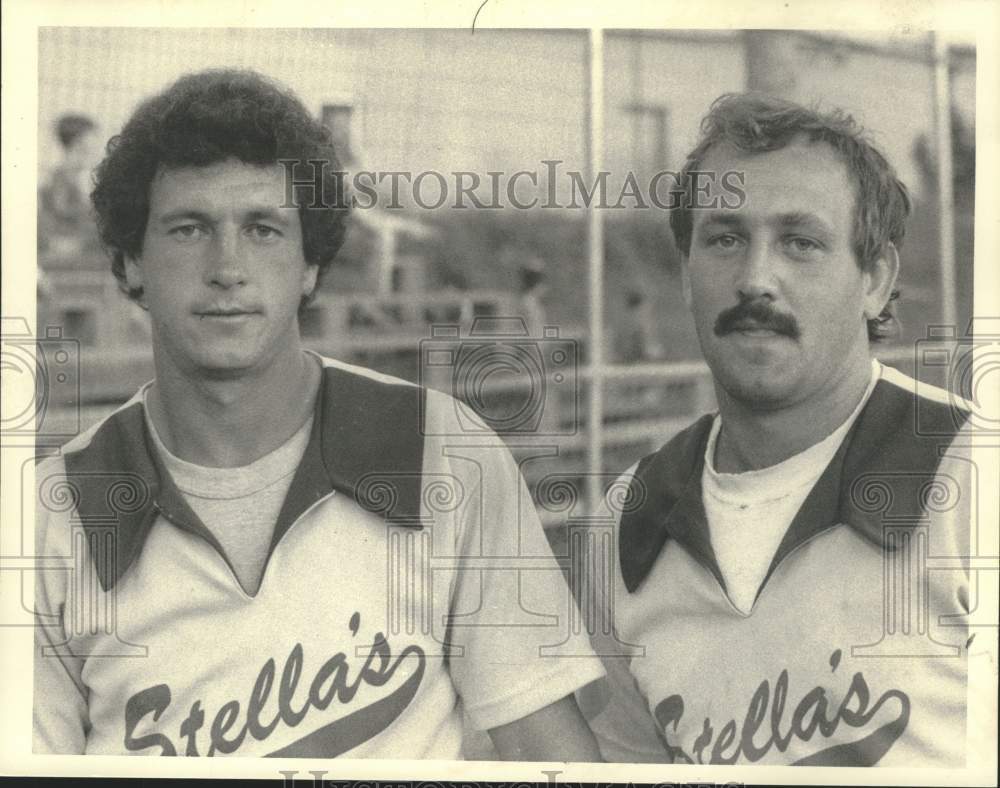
[(263, 232), (724, 241), (187, 232), (801, 245)]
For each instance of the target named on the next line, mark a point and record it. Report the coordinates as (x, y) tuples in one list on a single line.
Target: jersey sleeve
[(963, 534), (513, 649), (60, 717)]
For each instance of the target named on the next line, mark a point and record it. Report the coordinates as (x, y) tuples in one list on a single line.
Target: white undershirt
[(238, 505), (748, 513)]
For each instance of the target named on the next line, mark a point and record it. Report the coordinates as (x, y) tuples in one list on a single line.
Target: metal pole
[(945, 193), (595, 249)]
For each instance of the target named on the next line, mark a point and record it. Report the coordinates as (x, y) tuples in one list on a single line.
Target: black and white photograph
[(498, 393)]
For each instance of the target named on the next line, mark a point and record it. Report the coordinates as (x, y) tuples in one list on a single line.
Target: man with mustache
[(753, 558), (266, 552)]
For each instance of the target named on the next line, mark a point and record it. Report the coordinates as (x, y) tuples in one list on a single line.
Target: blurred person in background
[(260, 491), (639, 341), (532, 287), (636, 343), (66, 229), (529, 273), (753, 568), (66, 224)]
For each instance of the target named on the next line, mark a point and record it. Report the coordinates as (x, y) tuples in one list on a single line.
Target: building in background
[(505, 101)]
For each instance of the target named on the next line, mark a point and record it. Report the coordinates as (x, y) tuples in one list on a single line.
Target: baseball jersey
[(408, 583), (855, 649)]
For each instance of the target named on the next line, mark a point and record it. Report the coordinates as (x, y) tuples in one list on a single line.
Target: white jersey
[(392, 601), (855, 650)]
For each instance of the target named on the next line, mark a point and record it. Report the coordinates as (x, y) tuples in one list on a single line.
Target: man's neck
[(753, 438), (228, 423)]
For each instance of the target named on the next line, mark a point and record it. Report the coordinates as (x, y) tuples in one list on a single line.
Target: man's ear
[(879, 281), (686, 281), (309, 277)]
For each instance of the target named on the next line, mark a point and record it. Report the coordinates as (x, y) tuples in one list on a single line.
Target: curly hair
[(759, 123), (204, 118)]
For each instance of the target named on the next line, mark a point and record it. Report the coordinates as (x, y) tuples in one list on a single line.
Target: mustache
[(755, 314)]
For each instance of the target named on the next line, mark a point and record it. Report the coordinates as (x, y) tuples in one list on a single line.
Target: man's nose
[(756, 275), (226, 267)]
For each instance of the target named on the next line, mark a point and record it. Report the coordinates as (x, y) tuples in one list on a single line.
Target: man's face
[(779, 300), (222, 268)]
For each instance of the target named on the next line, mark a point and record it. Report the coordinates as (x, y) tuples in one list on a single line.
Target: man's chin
[(763, 386), (757, 395), (224, 366), (743, 355)]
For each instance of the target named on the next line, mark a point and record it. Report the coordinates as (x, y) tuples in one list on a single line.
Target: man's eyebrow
[(270, 214), (725, 218), (254, 214), (714, 220), (184, 213), (800, 218)]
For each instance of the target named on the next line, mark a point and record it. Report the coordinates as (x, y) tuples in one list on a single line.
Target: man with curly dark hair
[(207, 118), (757, 568), (267, 579)]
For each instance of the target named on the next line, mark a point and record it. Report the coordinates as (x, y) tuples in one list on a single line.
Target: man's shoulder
[(440, 415), (118, 422), (933, 398), (85, 463), (679, 456), (658, 478), (907, 423), (336, 365)]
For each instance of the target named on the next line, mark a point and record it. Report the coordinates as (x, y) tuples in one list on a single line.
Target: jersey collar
[(879, 474), (365, 442)]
